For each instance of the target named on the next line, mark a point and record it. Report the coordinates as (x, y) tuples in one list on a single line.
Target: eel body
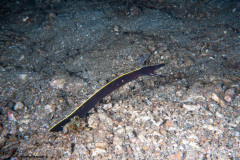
[(83, 109)]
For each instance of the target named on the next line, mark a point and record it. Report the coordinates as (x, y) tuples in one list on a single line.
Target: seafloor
[(55, 54)]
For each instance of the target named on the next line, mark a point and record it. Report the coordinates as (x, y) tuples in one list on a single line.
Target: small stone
[(169, 123), (11, 116), (212, 108), (116, 29), (151, 48), (104, 118), (117, 140), (213, 128), (58, 83), (228, 95), (145, 148), (129, 131), (176, 156), (219, 115), (18, 106), (218, 100), (93, 121), (191, 107), (163, 132), (232, 124), (102, 145), (120, 131), (107, 106), (237, 120), (24, 121), (97, 151), (215, 98), (23, 76), (49, 108)]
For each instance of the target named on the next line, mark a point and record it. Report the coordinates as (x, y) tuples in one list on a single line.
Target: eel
[(83, 109)]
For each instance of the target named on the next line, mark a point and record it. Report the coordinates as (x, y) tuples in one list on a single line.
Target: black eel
[(83, 109)]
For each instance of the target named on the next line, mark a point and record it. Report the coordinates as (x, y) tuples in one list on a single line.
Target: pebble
[(11, 116), (58, 83), (117, 140), (191, 107), (163, 132), (104, 118), (176, 156), (219, 115), (97, 151), (212, 107), (218, 100), (169, 125), (18, 106), (24, 121), (213, 128), (120, 131), (102, 145), (228, 95), (107, 106), (49, 108), (116, 28), (129, 131), (151, 48), (237, 120), (23, 76), (93, 121)]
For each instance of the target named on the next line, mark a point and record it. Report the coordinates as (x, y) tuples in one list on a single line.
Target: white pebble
[(219, 115), (191, 107), (49, 108), (104, 118), (23, 76), (58, 83), (97, 151), (215, 98), (18, 106)]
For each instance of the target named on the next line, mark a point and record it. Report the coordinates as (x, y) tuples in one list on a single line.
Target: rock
[(169, 125), (120, 131), (107, 106), (213, 128), (18, 106), (11, 116), (58, 83), (102, 145), (129, 131), (151, 48), (176, 156), (93, 121), (116, 29), (23, 76), (97, 151), (237, 120), (191, 107), (117, 140), (49, 107), (218, 100), (163, 132), (228, 95), (104, 118), (219, 115)]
